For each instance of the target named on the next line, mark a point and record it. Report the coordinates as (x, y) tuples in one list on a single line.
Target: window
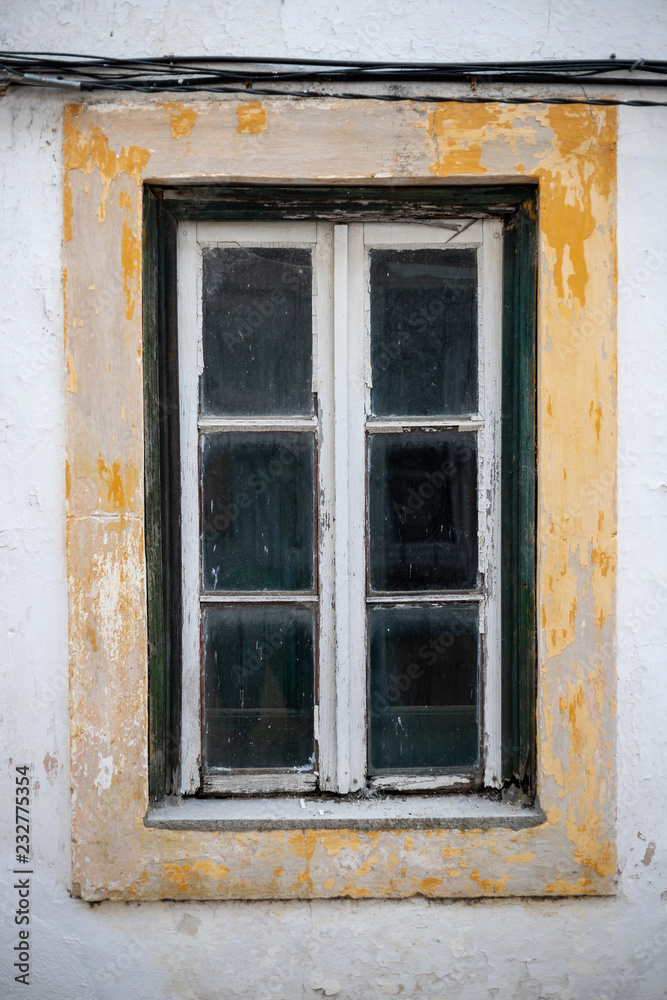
[(333, 443)]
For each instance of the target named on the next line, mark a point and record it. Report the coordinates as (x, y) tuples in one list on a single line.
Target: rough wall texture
[(566, 949)]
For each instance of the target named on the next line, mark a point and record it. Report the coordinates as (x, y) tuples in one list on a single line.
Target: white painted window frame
[(341, 384)]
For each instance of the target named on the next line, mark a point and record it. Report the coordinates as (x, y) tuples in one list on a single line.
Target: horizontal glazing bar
[(404, 782), (258, 783), (257, 423), (397, 424), (452, 597), (262, 597)]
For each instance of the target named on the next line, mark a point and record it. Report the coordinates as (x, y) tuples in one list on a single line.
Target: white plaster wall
[(531, 950)]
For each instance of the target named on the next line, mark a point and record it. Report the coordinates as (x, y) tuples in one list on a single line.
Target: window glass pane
[(424, 691), (424, 332), (259, 682), (258, 511), (423, 511), (257, 332)]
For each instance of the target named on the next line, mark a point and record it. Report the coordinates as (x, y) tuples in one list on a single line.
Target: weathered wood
[(518, 501)]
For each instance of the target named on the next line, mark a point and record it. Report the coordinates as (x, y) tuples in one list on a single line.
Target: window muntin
[(384, 401)]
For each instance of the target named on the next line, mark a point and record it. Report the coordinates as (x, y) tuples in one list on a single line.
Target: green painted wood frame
[(166, 205)]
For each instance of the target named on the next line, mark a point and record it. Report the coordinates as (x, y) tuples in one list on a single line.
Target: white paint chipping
[(103, 779)]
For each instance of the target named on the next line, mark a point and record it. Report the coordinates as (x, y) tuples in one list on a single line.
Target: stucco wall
[(566, 949)]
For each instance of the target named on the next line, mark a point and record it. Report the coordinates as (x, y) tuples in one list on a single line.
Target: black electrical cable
[(242, 74)]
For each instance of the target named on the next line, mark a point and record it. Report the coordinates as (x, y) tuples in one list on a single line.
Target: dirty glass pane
[(424, 691), (259, 683), (257, 332), (257, 511), (424, 332), (423, 511)]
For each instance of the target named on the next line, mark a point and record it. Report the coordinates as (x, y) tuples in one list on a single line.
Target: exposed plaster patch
[(51, 766), (105, 774), (327, 987), (188, 925), (648, 856)]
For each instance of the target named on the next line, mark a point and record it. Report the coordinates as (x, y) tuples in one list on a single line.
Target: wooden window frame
[(164, 208)]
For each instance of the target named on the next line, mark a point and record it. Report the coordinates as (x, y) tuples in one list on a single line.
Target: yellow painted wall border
[(110, 150)]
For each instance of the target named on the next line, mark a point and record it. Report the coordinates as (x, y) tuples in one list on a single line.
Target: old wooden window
[(346, 480)]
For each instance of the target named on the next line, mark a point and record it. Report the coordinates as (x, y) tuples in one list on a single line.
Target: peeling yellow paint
[(489, 886), (452, 852), (563, 887), (553, 814), (65, 316), (183, 875), (355, 893), (71, 375), (131, 256), (251, 117), (570, 152), (592, 849), (333, 842), (88, 149), (181, 118), (67, 210), (119, 483), (429, 885)]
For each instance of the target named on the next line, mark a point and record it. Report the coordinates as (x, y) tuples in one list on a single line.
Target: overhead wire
[(278, 76)]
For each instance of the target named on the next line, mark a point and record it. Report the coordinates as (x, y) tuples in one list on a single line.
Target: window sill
[(422, 812)]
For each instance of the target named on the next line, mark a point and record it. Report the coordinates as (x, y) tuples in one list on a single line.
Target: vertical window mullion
[(323, 374), (189, 355), (349, 508), (357, 377)]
